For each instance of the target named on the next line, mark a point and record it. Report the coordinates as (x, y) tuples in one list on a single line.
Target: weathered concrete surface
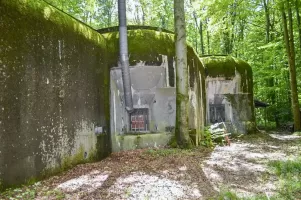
[(151, 140), (53, 89), (150, 91), (229, 91), (153, 82)]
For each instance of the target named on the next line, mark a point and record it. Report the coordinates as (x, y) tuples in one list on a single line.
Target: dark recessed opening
[(217, 113)]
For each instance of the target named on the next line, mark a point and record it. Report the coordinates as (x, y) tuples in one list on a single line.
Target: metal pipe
[(124, 57)]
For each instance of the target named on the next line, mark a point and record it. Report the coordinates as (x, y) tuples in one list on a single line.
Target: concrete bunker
[(57, 88), (229, 93), (153, 90)]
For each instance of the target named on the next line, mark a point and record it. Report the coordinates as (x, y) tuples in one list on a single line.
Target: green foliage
[(297, 133), (56, 194), (206, 138), (30, 192), (173, 142), (227, 195), (287, 168), (289, 173)]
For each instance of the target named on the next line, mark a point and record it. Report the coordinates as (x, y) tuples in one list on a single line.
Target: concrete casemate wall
[(53, 91), (153, 84), (229, 93), (150, 140), (152, 48), (54, 87)]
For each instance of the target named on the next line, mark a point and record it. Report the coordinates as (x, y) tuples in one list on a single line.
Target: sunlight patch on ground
[(285, 137), (142, 186), (89, 182), (241, 167), (183, 168)]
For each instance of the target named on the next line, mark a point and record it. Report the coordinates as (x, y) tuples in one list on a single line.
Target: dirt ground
[(178, 174)]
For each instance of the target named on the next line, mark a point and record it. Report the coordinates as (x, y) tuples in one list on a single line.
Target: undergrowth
[(229, 195), (297, 133), (289, 187), (168, 152), (289, 173), (30, 192)]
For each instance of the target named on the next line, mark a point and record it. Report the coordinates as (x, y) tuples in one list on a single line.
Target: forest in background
[(253, 30)]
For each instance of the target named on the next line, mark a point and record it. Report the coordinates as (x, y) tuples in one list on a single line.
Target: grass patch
[(254, 137), (229, 195), (165, 152), (289, 173), (297, 133), (287, 168), (168, 152), (289, 188)]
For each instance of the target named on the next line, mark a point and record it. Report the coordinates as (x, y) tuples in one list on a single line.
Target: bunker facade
[(229, 93), (61, 94), (53, 91), (154, 93)]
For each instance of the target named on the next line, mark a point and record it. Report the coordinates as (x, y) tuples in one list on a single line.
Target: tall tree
[(297, 4), (182, 97), (290, 49), (267, 21), (106, 11)]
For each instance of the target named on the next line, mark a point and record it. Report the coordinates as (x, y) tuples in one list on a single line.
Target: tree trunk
[(201, 36), (267, 19), (208, 37), (232, 28), (289, 44), (298, 21), (143, 16), (271, 80), (182, 134), (200, 28)]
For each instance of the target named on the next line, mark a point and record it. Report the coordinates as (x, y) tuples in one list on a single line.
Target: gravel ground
[(179, 174)]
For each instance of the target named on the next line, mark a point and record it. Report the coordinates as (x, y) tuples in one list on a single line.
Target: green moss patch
[(227, 66), (40, 10), (144, 45)]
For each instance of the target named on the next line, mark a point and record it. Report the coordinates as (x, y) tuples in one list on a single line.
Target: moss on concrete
[(103, 147), (70, 161), (144, 45), (54, 76), (133, 27), (40, 10), (147, 45), (35, 31), (227, 67), (129, 142)]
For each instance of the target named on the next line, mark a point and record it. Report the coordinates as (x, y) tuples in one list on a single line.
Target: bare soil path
[(177, 174)]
